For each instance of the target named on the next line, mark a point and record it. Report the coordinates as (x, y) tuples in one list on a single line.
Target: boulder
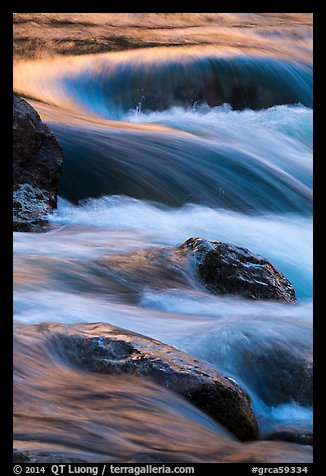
[(37, 164), (224, 268), (255, 452), (112, 350)]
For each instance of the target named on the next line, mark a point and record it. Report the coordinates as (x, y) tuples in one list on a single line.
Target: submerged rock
[(155, 268), (37, 164), (225, 268), (107, 349)]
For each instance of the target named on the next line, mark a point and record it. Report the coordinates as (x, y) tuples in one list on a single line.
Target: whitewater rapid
[(145, 171)]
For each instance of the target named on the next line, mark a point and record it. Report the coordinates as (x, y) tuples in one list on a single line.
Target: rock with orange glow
[(115, 351), (37, 163)]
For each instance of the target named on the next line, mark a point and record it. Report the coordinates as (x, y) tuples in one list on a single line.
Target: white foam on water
[(286, 240)]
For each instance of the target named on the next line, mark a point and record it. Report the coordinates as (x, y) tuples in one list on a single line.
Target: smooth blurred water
[(59, 278), (161, 145), (292, 254), (108, 85)]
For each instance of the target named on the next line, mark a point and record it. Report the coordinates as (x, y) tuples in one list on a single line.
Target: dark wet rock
[(42, 457), (225, 268), (254, 452), (37, 163), (222, 268), (292, 436), (107, 349)]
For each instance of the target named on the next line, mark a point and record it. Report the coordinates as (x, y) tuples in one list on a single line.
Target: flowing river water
[(161, 144)]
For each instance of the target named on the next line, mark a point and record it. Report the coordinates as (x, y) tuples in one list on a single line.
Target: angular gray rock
[(37, 164)]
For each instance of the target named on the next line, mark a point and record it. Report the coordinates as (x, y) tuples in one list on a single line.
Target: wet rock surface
[(107, 349), (225, 268), (268, 451), (37, 163)]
